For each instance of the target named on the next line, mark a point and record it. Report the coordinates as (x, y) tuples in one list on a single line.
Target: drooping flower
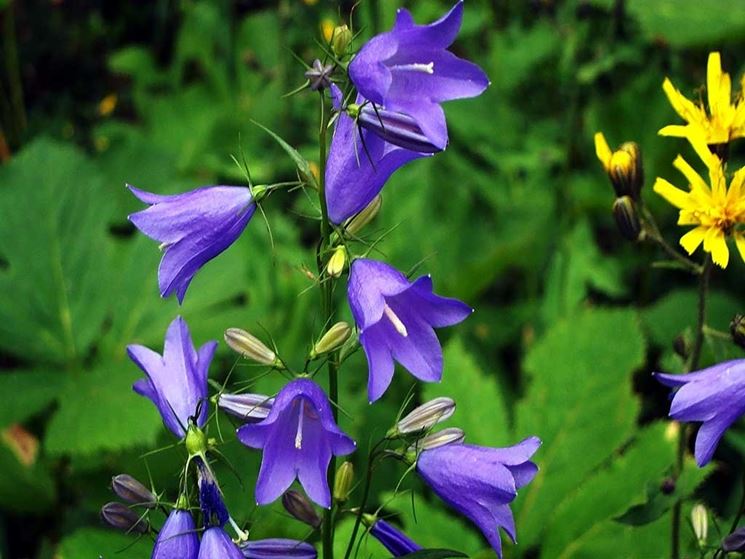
[(177, 538), (409, 70), (724, 121), (396, 320), (393, 539), (176, 382), (714, 209), (216, 544), (192, 228), (714, 396), (211, 500), (480, 482), (278, 548), (298, 438)]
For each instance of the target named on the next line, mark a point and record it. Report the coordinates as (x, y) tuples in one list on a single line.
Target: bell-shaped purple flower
[(192, 228), (393, 539), (176, 382), (216, 544), (396, 320), (360, 162), (410, 70), (177, 538), (298, 437), (278, 548), (480, 482), (715, 396), (211, 500)]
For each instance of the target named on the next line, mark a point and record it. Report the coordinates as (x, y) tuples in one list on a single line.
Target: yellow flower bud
[(250, 347), (700, 522), (332, 339), (341, 37), (336, 263), (343, 482), (624, 166)]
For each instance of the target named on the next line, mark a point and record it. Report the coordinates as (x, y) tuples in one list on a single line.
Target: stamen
[(425, 68), (299, 434), (163, 246), (397, 324)]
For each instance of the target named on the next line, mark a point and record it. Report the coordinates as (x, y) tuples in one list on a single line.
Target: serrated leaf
[(99, 411), (104, 544), (580, 371), (27, 393), (481, 409), (54, 288)]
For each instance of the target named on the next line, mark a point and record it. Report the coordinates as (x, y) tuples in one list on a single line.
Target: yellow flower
[(715, 210), (723, 122), (623, 166)]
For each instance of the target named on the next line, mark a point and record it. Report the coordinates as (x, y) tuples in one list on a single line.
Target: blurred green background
[(513, 218)]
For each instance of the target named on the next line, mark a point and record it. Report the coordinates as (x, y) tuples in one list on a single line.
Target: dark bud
[(319, 75), (735, 541), (737, 329), (681, 346), (299, 507), (627, 218), (123, 518), (626, 171), (667, 486), (132, 491), (396, 128)]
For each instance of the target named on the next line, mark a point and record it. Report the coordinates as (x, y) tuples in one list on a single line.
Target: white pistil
[(424, 68), (299, 434), (397, 324)]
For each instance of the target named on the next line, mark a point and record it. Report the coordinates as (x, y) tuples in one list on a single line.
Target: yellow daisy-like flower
[(715, 210), (724, 120)]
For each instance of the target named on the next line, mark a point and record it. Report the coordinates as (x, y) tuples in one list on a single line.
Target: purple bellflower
[(210, 497), (409, 70), (177, 538), (278, 548), (216, 544), (360, 162), (192, 228), (715, 396), (176, 382), (298, 438), (480, 482), (396, 320), (393, 539)]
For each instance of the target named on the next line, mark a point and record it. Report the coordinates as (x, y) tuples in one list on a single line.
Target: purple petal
[(419, 351), (438, 34), (278, 548), (437, 311), (177, 538), (216, 544), (370, 282), (379, 362), (393, 539)]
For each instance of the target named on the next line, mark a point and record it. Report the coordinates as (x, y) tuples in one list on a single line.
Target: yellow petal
[(685, 108), (673, 194), (691, 240), (700, 145), (716, 245), (718, 181), (734, 194), (694, 179), (740, 243), (676, 130), (602, 150), (717, 85)]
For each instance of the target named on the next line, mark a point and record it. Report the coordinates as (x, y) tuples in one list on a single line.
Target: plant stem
[(363, 503), (693, 360)]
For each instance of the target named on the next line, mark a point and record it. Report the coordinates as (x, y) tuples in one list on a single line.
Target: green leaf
[(580, 372), (104, 544), (25, 488), (369, 547), (53, 211), (29, 392), (481, 409), (99, 411), (433, 554)]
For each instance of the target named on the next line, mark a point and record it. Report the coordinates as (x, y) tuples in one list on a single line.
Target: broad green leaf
[(53, 213), (433, 554), (27, 393), (105, 544), (579, 401), (99, 411), (24, 487), (481, 408), (369, 547)]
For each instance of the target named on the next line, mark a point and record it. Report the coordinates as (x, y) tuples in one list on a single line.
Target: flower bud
[(132, 491), (450, 435), (735, 541), (249, 407), (343, 481), (276, 547), (667, 487), (196, 441), (627, 219), (123, 518), (332, 339), (319, 75), (300, 507), (623, 166), (737, 329), (250, 347), (395, 128), (359, 221), (336, 263), (341, 37), (426, 416), (700, 522)]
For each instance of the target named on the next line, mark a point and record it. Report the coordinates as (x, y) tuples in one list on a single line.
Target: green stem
[(16, 120), (363, 503)]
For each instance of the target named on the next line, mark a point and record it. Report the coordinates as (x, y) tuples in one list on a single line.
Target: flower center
[(428, 68), (397, 324)]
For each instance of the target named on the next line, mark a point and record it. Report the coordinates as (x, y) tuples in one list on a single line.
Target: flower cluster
[(398, 81)]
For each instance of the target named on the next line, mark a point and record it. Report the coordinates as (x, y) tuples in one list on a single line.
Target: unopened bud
[(737, 329), (624, 166), (196, 441), (249, 407), (132, 491), (121, 517), (735, 541), (343, 481), (359, 221), (250, 347), (627, 218), (425, 416), (667, 487), (395, 128), (681, 346), (341, 37), (700, 522), (450, 435), (332, 339), (300, 507), (336, 263)]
